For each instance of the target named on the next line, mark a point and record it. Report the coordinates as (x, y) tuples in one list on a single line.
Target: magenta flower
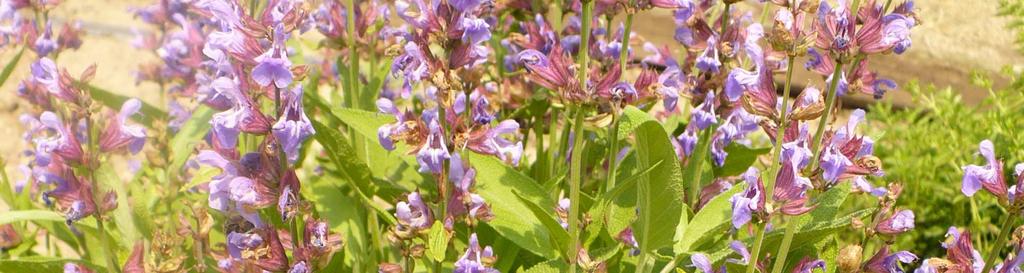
[(119, 134)]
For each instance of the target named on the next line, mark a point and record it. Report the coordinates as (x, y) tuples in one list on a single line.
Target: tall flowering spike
[(63, 144), (900, 222), (989, 176), (120, 134), (476, 260), (273, 65), (293, 127)]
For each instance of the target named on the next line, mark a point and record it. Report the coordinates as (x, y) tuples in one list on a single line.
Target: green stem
[(758, 241), (823, 122), (576, 165), (641, 263), (697, 165), (613, 136), (576, 179), (993, 251), (107, 249), (725, 18), (774, 170)]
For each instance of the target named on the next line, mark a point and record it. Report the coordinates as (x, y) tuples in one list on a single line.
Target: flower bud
[(849, 258)]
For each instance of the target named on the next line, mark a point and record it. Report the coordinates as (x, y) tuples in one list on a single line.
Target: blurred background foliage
[(924, 147)]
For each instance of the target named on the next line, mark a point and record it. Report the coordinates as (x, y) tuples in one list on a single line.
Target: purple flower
[(273, 66), (669, 87), (465, 5), (434, 152), (563, 212), (704, 114), (75, 268), (702, 263), (413, 215), (989, 176), (475, 260), (708, 60), (45, 43), (481, 108), (475, 30), (627, 238), (231, 187), (686, 142), (885, 262), (242, 117), (412, 64), (834, 164), (491, 142), (119, 134), (897, 32), (293, 127), (63, 144), (807, 265), (748, 202), (900, 222), (740, 249)]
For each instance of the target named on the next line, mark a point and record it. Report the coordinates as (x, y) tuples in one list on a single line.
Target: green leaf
[(552, 266), (559, 236), (149, 112), (496, 182), (363, 122), (205, 174), (344, 214), (190, 133), (30, 215), (739, 160), (9, 68), (715, 215), (123, 213), (42, 264), (437, 246), (353, 169), (631, 119), (659, 201)]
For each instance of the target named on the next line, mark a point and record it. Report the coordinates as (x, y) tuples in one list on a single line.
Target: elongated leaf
[(660, 196), (552, 266), (559, 236), (437, 246), (715, 215), (739, 160), (9, 67), (344, 214), (631, 119), (42, 264), (496, 182), (809, 234), (188, 136), (149, 112), (205, 174), (344, 157), (123, 213), (363, 122), (29, 215)]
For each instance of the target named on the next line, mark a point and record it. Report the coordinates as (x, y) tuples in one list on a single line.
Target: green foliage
[(925, 146)]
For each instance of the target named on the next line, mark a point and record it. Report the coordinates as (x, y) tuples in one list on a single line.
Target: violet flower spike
[(294, 126)]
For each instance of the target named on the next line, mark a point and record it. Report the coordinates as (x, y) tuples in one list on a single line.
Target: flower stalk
[(787, 239), (613, 131), (1004, 231), (576, 163)]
